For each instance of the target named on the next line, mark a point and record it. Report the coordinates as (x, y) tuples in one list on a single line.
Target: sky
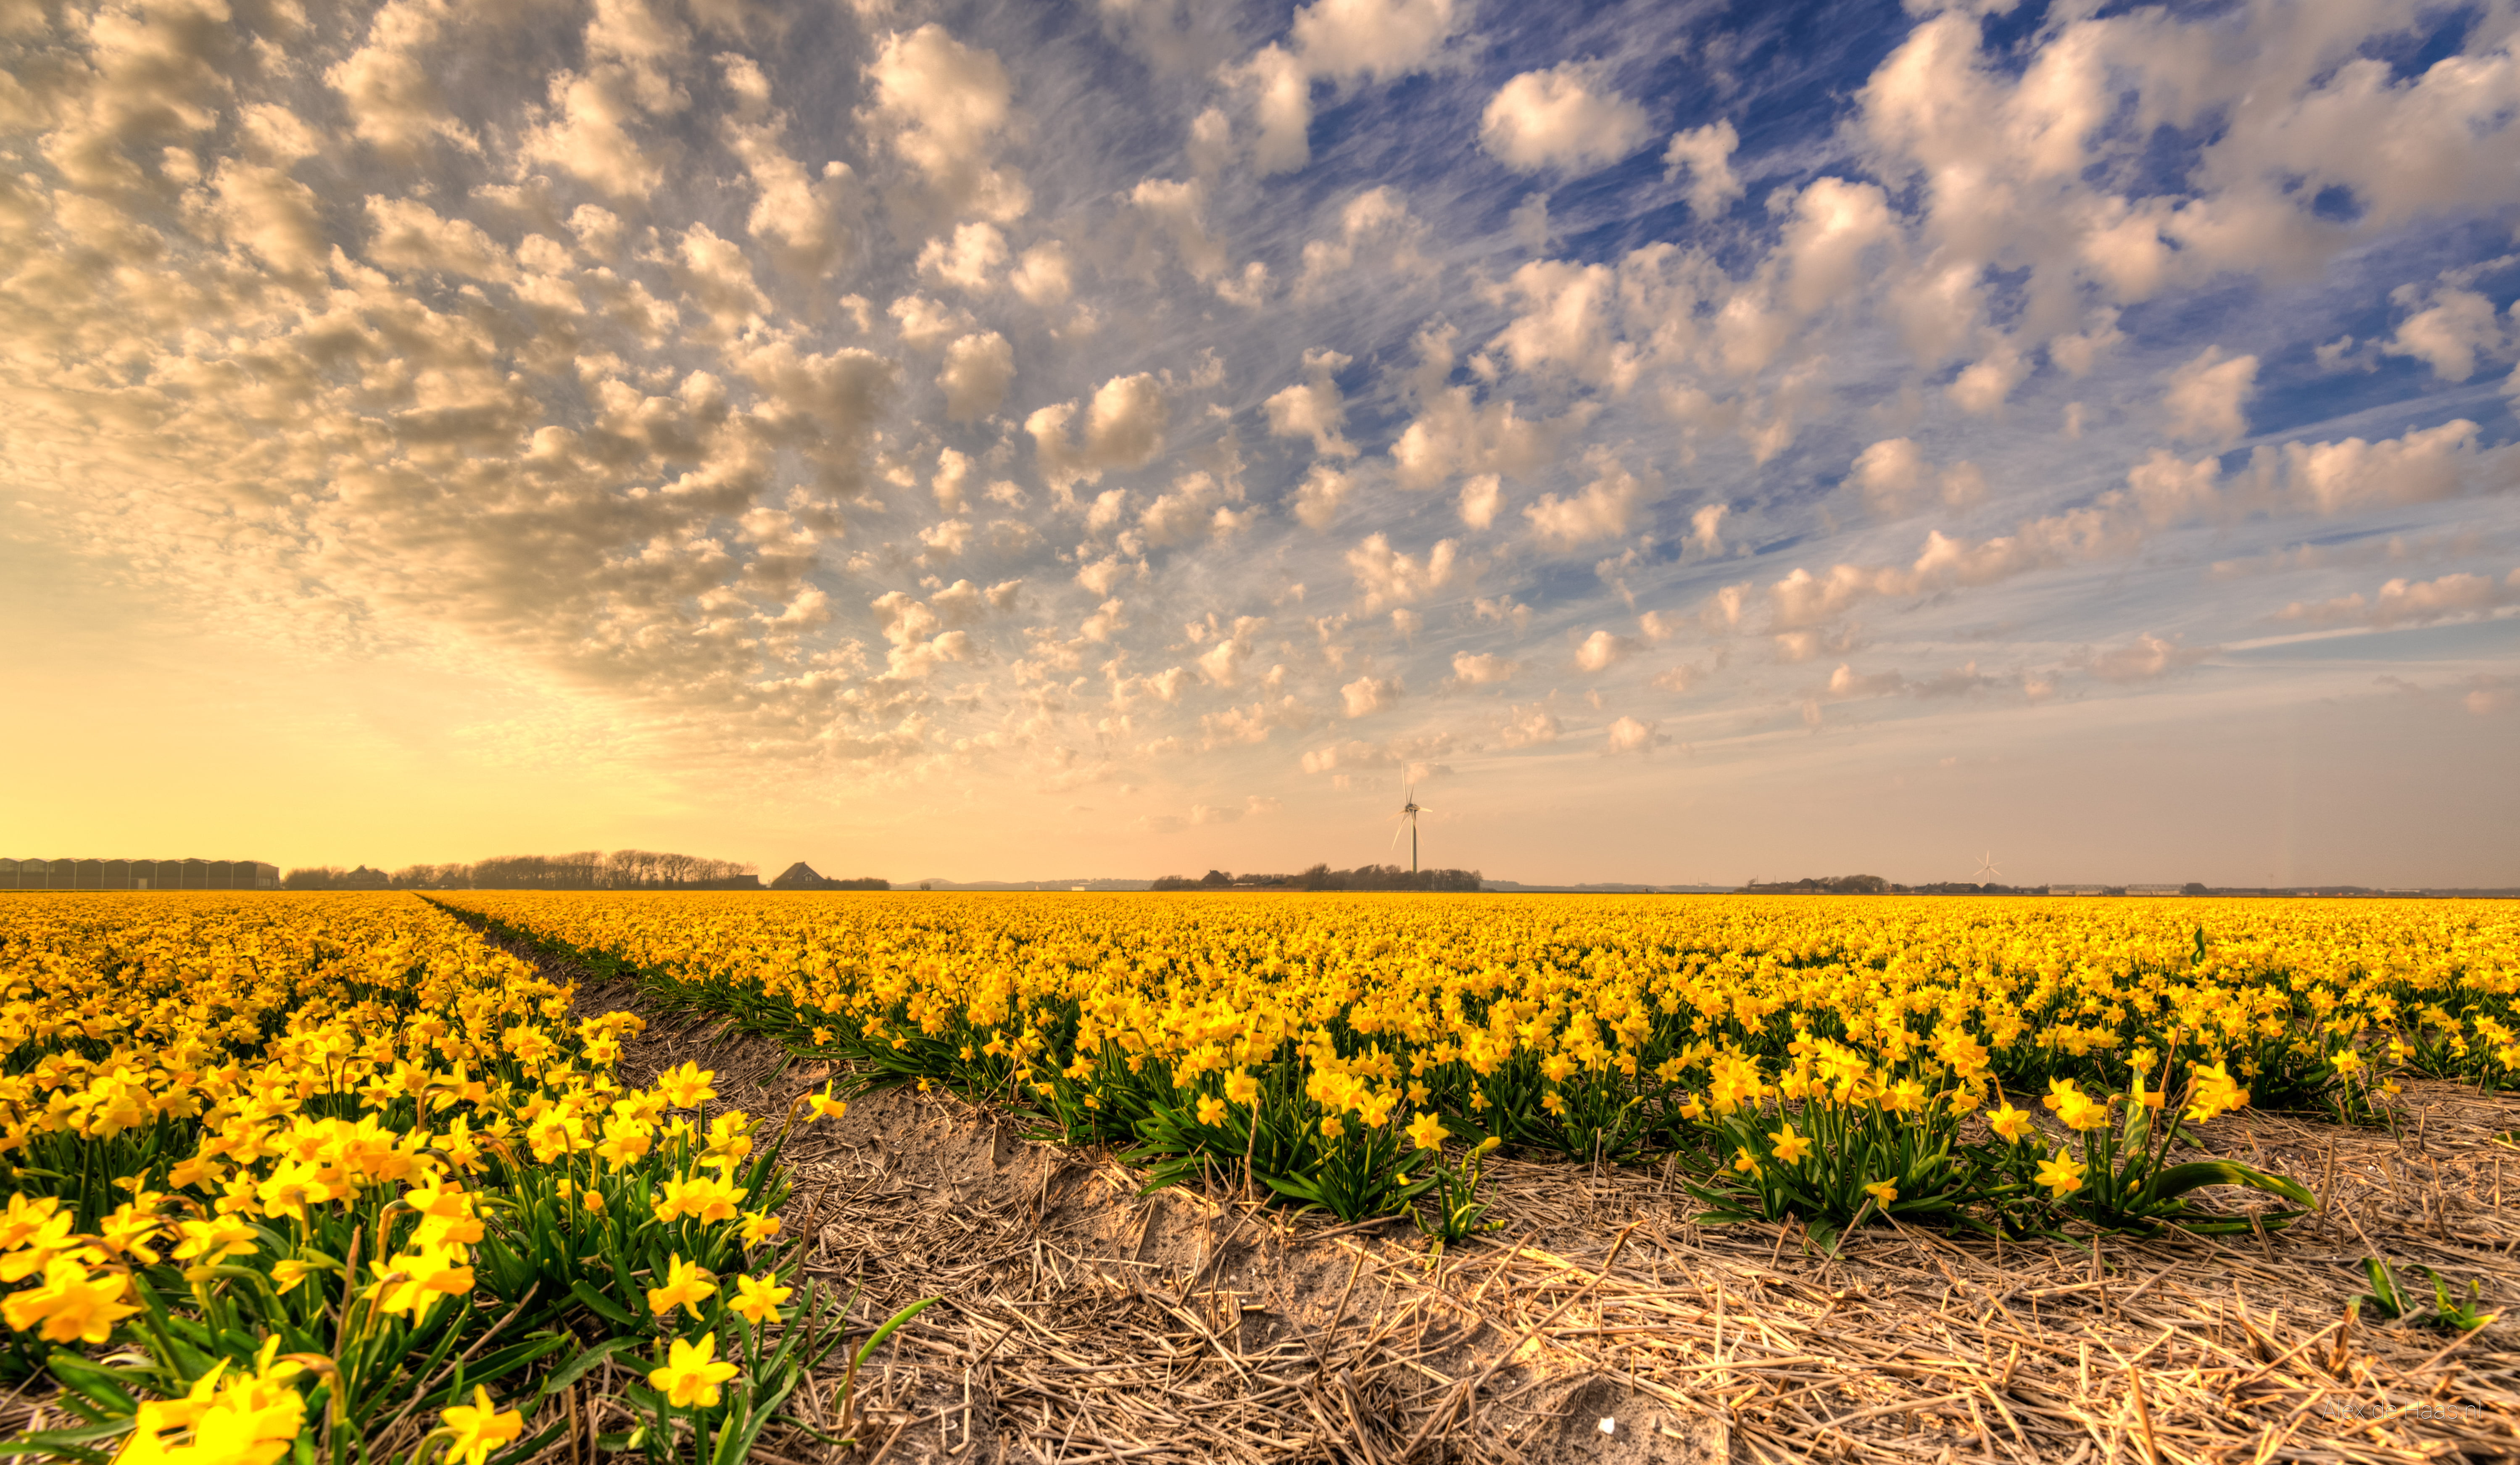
[(1683, 442)]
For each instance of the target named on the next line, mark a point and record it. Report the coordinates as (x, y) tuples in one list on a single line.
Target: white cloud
[(1179, 207), (969, 260), (1836, 226), (1195, 508), (1238, 726), (1222, 664), (1124, 427), (410, 236), (1705, 154), (919, 644), (1705, 527), (1600, 511), (1318, 497), (386, 86), (2450, 335), (1374, 225), (946, 106), (793, 214), (1341, 41), (1629, 736), (1482, 497), (1983, 385), (588, 131), (1386, 577), (1313, 408), (1280, 95), (1601, 648), (1565, 323), (1846, 683), (1373, 39), (1888, 472), (1482, 668), (2420, 466), (1563, 118), (1044, 275), (2404, 603), (977, 371), (1367, 695), (2144, 659), (2205, 396), (2078, 353), (1529, 725)]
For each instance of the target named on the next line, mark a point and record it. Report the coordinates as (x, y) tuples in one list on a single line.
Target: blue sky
[(1691, 442)]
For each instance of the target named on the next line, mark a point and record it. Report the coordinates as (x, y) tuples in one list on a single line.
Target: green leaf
[(577, 1368), (2179, 1180), (896, 1320), (601, 1304)]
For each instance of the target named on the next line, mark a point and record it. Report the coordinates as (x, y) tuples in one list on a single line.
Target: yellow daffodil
[(476, 1429), (758, 1298), (687, 1285), (70, 1304), (690, 1376), (2063, 1177)]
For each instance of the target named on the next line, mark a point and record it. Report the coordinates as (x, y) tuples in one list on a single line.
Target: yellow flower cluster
[(1368, 995), (283, 1114)]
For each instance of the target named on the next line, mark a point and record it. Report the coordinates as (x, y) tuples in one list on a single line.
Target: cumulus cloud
[(1375, 226), (1398, 752), (2420, 467), (1629, 736), (1385, 576), (385, 85), (977, 371), (1601, 648), (1600, 511), (1705, 154), (1482, 668), (1564, 117), (945, 107), (1044, 275), (2451, 334), (2206, 396), (1124, 427), (1340, 40), (1313, 408), (1367, 695), (410, 236), (1318, 497), (1528, 726), (2144, 659), (2410, 602)]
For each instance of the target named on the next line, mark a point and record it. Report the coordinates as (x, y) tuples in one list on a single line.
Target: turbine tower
[(1409, 811), (1986, 867)]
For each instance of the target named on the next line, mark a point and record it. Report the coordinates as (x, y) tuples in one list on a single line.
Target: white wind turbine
[(1986, 867), (1410, 809)]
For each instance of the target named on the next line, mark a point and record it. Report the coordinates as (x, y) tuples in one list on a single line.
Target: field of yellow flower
[(327, 1176), (2018, 1065)]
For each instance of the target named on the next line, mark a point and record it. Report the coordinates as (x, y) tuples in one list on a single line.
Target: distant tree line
[(1323, 878), (585, 869), (1875, 885)]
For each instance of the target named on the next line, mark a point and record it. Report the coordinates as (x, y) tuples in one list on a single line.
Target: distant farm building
[(138, 875), (2153, 890), (2078, 890)]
